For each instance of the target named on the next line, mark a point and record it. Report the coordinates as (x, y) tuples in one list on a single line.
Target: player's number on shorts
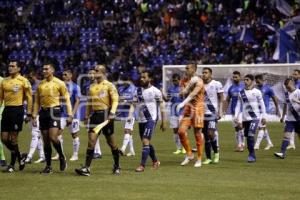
[(212, 125)]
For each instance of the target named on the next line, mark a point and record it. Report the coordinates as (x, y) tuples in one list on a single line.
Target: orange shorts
[(193, 115)]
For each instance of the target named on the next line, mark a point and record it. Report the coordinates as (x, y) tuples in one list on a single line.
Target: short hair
[(236, 73), (102, 68), (194, 65), (18, 63), (259, 77), (287, 80), (175, 76), (250, 76), (207, 68), (150, 75), (68, 71), (51, 64), (297, 70)]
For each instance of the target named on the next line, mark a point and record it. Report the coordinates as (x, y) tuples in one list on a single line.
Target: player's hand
[(219, 116), (278, 112), (282, 119), (34, 121), (263, 121), (179, 107), (69, 120), (111, 116), (163, 126), (27, 118)]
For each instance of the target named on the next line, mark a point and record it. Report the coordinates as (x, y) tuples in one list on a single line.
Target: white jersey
[(148, 103), (293, 108), (250, 105), (212, 89)]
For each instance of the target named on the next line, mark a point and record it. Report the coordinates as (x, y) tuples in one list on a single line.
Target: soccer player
[(2, 156), (149, 100), (13, 91), (102, 105), (213, 112), (49, 95), (126, 93), (36, 138), (231, 99), (174, 98), (296, 78), (290, 115), (193, 114), (267, 93), (251, 107)]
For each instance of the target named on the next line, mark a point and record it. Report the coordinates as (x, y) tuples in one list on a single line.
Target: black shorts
[(97, 118), (50, 118), (12, 119)]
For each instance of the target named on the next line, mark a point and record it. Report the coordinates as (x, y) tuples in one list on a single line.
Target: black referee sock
[(116, 156), (58, 148), (89, 157), (15, 154), (48, 152)]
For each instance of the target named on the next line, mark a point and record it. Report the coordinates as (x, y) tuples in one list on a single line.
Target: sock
[(199, 143), (284, 144), (97, 147), (61, 140), (126, 140), (152, 153), (145, 153), (15, 154), (48, 152), (185, 141), (214, 145), (58, 147), (259, 138), (250, 144), (292, 139), (241, 137), (116, 156), (33, 143), (217, 137), (208, 149), (89, 157), (237, 138), (2, 156), (267, 136), (76, 144), (131, 149), (40, 148), (177, 141)]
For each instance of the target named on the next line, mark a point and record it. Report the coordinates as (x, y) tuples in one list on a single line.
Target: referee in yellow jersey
[(49, 96), (101, 106), (13, 91)]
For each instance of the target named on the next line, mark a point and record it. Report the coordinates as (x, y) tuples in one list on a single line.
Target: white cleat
[(74, 158), (256, 147), (291, 147), (269, 146), (187, 159), (56, 157), (28, 160), (279, 155), (40, 160), (198, 163), (130, 154)]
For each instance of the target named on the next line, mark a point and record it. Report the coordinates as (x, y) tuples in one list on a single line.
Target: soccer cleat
[(56, 157), (291, 147), (83, 171), (178, 151), (140, 168), (116, 170), (198, 163), (40, 160), (62, 164), (187, 159), (207, 162), (28, 160), (155, 165), (9, 169), (216, 158), (251, 159), (74, 157), (269, 146), (130, 154), (183, 151), (121, 152), (239, 148), (47, 170), (279, 155), (97, 156), (22, 161), (2, 163), (256, 147)]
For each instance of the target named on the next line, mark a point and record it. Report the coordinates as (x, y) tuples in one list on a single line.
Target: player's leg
[(97, 150), (267, 137), (131, 147), (2, 156), (33, 144), (5, 138), (289, 128), (250, 128), (207, 148), (15, 153), (212, 127), (40, 150), (292, 142), (63, 125), (174, 124), (260, 136), (75, 136)]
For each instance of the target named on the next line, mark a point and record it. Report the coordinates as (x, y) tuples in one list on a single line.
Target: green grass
[(232, 178)]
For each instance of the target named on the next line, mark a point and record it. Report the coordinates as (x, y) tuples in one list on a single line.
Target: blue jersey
[(74, 92), (173, 93), (267, 93), (126, 94), (233, 93), (297, 84)]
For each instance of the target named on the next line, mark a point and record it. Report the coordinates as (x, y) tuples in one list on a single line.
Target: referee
[(13, 90), (102, 105), (49, 96)]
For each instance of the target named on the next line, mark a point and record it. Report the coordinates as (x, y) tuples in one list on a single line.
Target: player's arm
[(77, 100), (238, 110), (220, 104), (162, 111), (114, 96), (66, 98), (262, 106), (36, 107), (284, 110), (194, 92), (28, 96), (275, 100)]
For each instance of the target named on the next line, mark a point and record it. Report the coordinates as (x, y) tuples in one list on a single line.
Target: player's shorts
[(209, 125), (174, 121), (12, 119), (193, 115), (97, 118), (129, 124), (50, 118), (37, 127), (74, 128), (146, 129), (250, 127), (292, 126)]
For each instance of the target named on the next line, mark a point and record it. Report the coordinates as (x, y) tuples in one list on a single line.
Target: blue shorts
[(209, 125), (146, 129), (292, 126), (250, 127)]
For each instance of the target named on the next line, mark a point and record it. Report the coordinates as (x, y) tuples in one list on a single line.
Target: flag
[(246, 36), (283, 7)]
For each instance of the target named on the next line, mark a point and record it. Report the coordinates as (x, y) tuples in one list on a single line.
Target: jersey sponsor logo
[(102, 94), (16, 88)]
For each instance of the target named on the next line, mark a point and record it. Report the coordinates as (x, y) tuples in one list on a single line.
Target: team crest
[(55, 123), (102, 94)]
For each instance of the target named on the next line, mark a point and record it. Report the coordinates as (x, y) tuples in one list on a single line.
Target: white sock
[(61, 139), (126, 140), (131, 149), (33, 144), (241, 137), (259, 138), (97, 147), (217, 137), (237, 138), (40, 148), (76, 144), (177, 141), (292, 139), (267, 136)]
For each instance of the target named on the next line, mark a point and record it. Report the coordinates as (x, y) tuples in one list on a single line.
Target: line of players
[(210, 94)]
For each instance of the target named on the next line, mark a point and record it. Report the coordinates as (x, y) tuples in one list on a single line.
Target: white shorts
[(74, 128), (37, 127), (129, 124), (174, 121)]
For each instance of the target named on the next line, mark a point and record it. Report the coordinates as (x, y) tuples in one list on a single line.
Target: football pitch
[(232, 178)]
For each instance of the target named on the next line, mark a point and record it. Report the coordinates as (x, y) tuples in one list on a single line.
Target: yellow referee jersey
[(50, 94), (102, 96), (13, 90)]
